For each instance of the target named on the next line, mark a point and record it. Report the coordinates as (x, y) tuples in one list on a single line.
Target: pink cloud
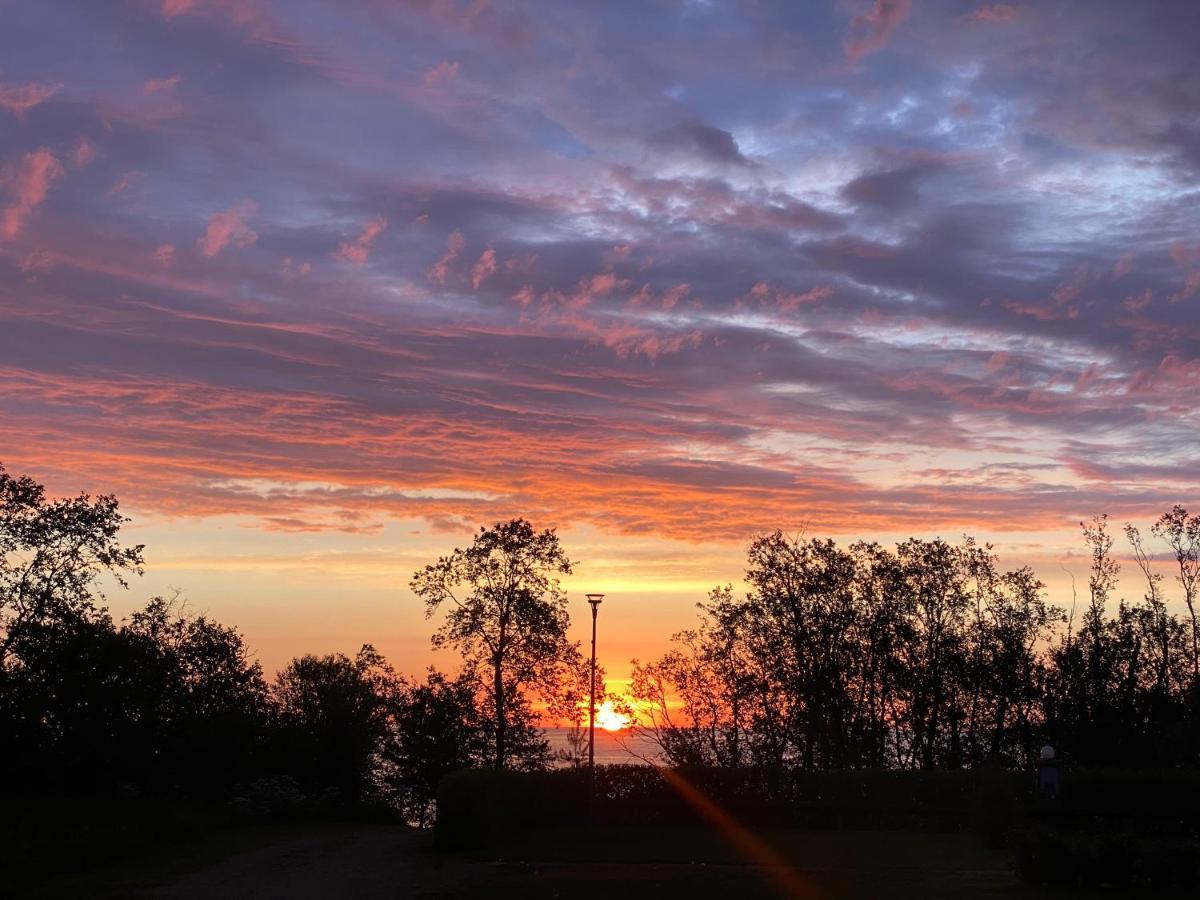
[(784, 301), (1138, 302), (157, 85), (870, 32), (1185, 256), (27, 185), (173, 8), (998, 360), (292, 269), (443, 73), (601, 284), (591, 288), (792, 302), (440, 270), (672, 296), (992, 14), (484, 268), (84, 153), (525, 296), (357, 250), (121, 184), (19, 99), (37, 261), (164, 254), (1041, 313), (229, 227), (1124, 265), (1191, 287)]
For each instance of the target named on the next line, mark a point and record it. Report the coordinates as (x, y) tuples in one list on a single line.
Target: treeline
[(925, 656), (170, 703), (930, 656)]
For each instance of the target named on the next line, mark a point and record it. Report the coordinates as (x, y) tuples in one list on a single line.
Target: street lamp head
[(595, 599)]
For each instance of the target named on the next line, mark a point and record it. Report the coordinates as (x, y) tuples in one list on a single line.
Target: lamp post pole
[(594, 600)]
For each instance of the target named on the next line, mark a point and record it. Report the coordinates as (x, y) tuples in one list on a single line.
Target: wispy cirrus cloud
[(687, 282)]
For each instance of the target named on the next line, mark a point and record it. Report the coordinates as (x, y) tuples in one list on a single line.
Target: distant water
[(612, 747)]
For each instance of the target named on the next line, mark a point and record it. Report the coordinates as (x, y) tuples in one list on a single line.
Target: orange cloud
[(870, 32), (357, 250), (19, 99), (27, 186), (229, 226)]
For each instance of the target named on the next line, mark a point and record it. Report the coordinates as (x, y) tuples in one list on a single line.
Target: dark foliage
[(507, 616), (929, 657), (436, 728), (331, 717), (848, 687)]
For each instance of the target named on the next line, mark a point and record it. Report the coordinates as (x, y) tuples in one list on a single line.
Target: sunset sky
[(317, 288)]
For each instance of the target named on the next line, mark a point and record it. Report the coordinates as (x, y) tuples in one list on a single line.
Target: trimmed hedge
[(1117, 828), (474, 806)]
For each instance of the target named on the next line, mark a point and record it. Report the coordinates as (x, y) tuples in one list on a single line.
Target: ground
[(378, 861)]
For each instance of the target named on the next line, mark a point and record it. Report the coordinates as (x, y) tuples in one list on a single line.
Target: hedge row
[(473, 805), (1107, 827)]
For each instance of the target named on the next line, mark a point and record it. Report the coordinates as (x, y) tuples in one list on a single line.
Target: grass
[(621, 863), (696, 864)]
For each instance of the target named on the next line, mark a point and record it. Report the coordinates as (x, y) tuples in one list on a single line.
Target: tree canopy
[(507, 616)]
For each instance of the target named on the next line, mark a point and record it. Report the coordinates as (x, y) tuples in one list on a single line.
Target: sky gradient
[(316, 287)]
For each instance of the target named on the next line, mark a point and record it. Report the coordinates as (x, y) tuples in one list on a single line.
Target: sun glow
[(609, 719)]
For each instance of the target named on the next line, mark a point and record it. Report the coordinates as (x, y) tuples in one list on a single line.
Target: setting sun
[(609, 719)]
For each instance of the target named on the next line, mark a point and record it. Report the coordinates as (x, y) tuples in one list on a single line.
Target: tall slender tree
[(1182, 534), (507, 616)]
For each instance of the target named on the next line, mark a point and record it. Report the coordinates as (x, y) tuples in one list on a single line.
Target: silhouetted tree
[(1182, 535), (507, 616), (51, 554), (332, 720), (841, 658), (214, 704), (164, 700), (435, 728), (692, 701)]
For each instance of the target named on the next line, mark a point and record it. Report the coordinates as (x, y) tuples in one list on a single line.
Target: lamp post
[(594, 600)]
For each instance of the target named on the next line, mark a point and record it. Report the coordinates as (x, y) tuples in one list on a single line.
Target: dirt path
[(363, 862)]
